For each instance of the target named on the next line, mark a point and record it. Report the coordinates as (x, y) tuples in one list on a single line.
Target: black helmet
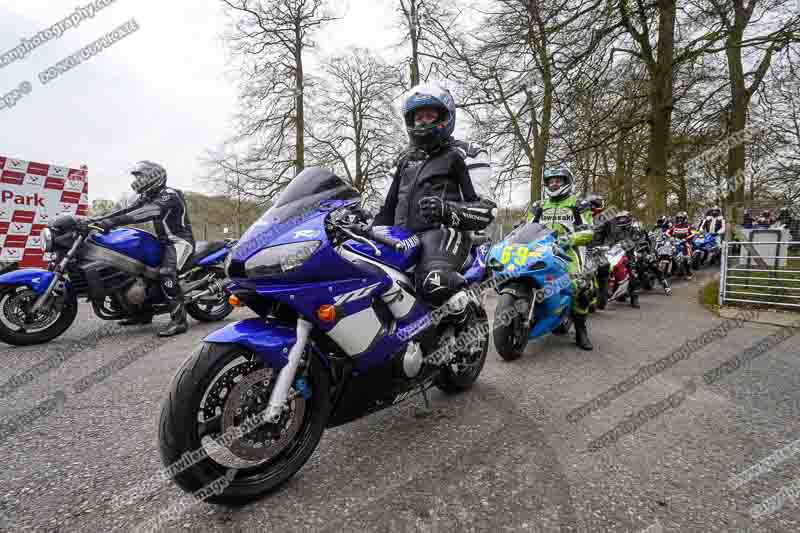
[(681, 218), (623, 219), (149, 178), (661, 221), (437, 99), (597, 201), (715, 211)]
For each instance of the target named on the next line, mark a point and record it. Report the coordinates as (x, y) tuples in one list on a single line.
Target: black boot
[(178, 323), (602, 290), (581, 333), (136, 320), (635, 300)]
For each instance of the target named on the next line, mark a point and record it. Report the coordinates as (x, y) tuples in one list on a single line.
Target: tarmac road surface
[(501, 457)]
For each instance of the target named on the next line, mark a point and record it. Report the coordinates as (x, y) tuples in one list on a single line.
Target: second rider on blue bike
[(433, 196), (166, 208)]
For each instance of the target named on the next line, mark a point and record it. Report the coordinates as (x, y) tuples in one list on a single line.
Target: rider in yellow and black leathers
[(560, 213)]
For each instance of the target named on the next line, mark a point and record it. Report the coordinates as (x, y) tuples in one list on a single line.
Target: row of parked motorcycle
[(541, 289)]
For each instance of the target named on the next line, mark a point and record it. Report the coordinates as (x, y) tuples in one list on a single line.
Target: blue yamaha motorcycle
[(117, 272), (705, 250), (534, 287), (339, 334)]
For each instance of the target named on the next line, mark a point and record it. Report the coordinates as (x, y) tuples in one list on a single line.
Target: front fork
[(280, 392), (44, 299)]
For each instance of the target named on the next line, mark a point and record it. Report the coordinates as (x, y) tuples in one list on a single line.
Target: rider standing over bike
[(714, 223), (432, 194), (684, 232), (663, 223), (560, 213), (620, 230), (166, 208)]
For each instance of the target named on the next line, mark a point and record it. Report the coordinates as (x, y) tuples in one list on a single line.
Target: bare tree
[(772, 25), (355, 130), (270, 38), (520, 51)]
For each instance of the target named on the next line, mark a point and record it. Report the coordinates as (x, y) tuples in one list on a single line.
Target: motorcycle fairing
[(544, 271)]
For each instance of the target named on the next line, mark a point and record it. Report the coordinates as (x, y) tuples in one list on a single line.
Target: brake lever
[(360, 238)]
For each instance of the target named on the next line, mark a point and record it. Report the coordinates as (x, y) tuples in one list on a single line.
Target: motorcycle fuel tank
[(132, 242)]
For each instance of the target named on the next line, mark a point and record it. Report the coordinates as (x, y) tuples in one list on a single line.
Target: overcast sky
[(161, 93)]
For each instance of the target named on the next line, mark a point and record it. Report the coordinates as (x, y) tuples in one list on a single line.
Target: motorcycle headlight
[(47, 240), (279, 259)]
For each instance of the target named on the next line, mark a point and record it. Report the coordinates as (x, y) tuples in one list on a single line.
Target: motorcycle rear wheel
[(54, 322), (210, 369), (208, 312)]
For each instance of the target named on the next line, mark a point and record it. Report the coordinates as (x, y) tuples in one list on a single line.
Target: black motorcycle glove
[(435, 210), (470, 216), (105, 224)]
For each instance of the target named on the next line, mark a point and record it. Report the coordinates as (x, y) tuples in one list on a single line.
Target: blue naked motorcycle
[(534, 287), (339, 334), (117, 272)]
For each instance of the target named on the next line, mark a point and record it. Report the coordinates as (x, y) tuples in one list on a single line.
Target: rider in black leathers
[(433, 196), (620, 230), (166, 208)]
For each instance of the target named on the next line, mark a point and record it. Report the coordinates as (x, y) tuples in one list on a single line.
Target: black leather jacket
[(442, 173), (166, 209), (609, 233)]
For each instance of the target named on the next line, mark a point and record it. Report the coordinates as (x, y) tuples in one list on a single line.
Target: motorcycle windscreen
[(298, 201), (528, 233)]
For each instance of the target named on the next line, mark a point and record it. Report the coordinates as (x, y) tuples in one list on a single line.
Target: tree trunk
[(738, 113), (660, 96), (628, 179), (414, 34), (300, 147), (543, 139), (683, 192), (617, 195)]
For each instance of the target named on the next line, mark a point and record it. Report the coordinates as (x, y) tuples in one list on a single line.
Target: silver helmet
[(149, 177)]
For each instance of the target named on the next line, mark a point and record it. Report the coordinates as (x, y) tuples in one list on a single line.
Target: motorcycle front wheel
[(46, 325), (217, 389), (463, 372), (509, 339)]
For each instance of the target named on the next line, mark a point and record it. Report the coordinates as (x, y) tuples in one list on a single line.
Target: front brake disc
[(250, 397)]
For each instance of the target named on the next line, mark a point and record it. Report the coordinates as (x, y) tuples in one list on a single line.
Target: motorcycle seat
[(205, 248)]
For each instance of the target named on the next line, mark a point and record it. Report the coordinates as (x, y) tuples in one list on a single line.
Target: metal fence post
[(723, 271)]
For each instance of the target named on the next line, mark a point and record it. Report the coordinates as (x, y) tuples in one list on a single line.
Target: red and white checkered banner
[(31, 196)]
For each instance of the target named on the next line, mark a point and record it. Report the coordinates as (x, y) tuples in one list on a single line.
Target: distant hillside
[(210, 215)]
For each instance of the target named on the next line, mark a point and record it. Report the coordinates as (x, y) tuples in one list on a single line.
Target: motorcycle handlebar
[(365, 231)]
